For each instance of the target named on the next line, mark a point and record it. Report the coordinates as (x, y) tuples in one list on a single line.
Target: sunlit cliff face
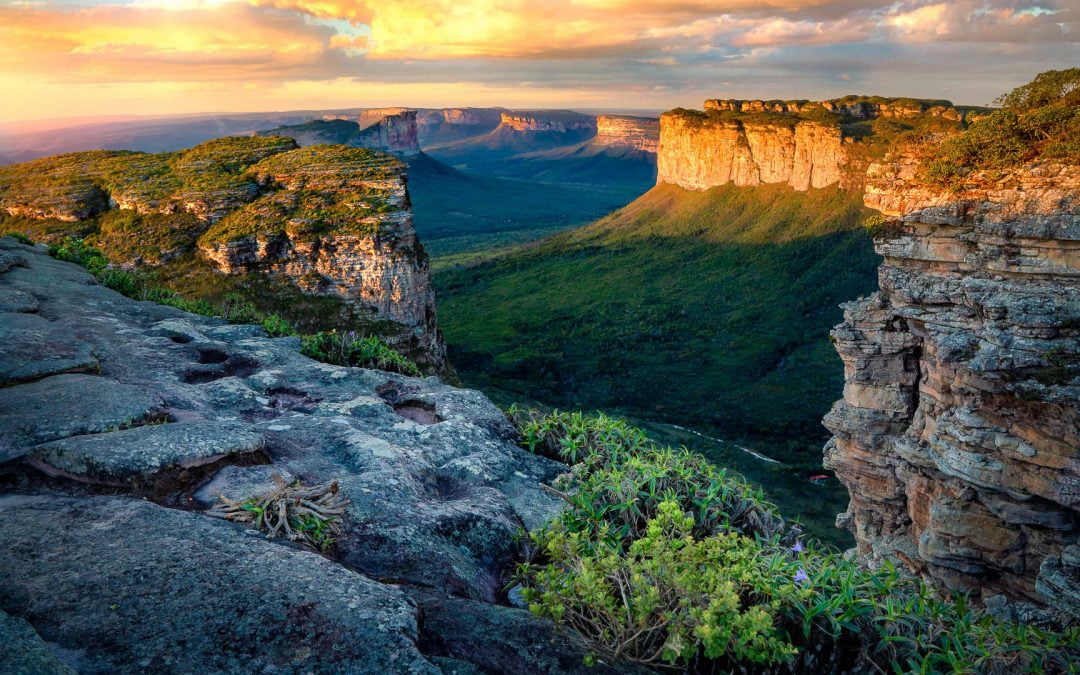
[(82, 57)]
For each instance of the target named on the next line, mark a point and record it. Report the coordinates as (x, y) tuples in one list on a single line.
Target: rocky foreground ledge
[(121, 422)]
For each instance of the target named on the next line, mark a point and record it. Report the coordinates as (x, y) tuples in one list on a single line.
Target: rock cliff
[(698, 152), (394, 133), (392, 130), (958, 436), (805, 144), (640, 133), (547, 120), (327, 220), (111, 564)]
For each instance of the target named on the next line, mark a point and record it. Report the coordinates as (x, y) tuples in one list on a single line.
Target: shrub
[(350, 349), (79, 252), (1040, 119), (235, 308), (276, 326), (662, 559)]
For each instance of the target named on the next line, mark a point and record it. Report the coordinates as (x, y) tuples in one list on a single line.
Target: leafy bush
[(79, 252), (661, 559), (1040, 119), (350, 349), (276, 326)]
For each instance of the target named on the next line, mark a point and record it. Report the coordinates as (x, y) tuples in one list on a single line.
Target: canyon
[(958, 436)]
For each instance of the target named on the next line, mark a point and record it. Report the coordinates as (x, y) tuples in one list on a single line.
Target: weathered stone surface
[(239, 482), (23, 652), (123, 585), (68, 405), (502, 639), (117, 456), (32, 348), (959, 433), (438, 490)]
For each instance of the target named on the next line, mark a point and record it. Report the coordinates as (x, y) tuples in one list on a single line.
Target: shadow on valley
[(457, 212), (707, 310)]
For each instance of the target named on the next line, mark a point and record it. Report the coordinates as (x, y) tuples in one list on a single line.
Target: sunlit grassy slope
[(706, 309)]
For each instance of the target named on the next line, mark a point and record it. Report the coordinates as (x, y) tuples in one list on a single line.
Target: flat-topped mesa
[(698, 151), (547, 120), (327, 220), (958, 436), (805, 144), (856, 107), (641, 133), (392, 130)]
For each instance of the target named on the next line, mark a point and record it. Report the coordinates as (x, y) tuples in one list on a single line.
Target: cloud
[(621, 51)]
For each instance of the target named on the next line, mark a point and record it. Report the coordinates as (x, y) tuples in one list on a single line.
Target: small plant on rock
[(307, 514), (350, 349)]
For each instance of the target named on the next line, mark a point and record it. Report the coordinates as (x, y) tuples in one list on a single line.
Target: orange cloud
[(154, 43)]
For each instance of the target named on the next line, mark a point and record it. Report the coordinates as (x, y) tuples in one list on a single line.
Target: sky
[(73, 58)]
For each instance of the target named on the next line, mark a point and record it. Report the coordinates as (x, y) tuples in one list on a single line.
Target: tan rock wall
[(958, 436), (700, 153)]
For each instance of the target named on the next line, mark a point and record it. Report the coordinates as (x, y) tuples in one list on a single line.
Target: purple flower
[(801, 577), (798, 547)]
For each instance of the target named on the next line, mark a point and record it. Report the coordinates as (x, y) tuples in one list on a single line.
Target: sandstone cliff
[(392, 130), (958, 436), (326, 220), (640, 133), (547, 120), (698, 152)]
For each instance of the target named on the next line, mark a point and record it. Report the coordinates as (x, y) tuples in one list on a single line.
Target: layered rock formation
[(640, 133), (392, 132), (547, 120), (450, 124), (330, 221), (110, 563), (698, 152), (958, 436)]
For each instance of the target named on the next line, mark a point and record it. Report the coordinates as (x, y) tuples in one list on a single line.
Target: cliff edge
[(958, 436)]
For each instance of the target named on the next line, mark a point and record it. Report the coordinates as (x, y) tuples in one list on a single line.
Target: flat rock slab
[(69, 405), (32, 347), (23, 652), (126, 586), (120, 455), (240, 482)]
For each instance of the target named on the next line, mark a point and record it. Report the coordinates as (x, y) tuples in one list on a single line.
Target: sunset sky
[(86, 57)]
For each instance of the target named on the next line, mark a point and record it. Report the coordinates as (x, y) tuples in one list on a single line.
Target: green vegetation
[(662, 559), (702, 309), (454, 210), (351, 349), (1038, 120)]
